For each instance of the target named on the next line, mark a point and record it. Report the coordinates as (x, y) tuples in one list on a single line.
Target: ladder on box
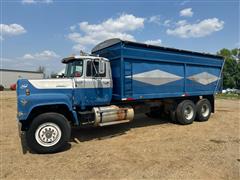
[(128, 79)]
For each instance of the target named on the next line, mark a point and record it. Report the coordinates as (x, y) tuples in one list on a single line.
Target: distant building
[(9, 76)]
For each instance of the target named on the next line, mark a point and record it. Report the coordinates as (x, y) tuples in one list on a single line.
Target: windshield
[(74, 69)]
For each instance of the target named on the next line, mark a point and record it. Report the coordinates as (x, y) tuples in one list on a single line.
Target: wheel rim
[(48, 134), (205, 110), (188, 112)]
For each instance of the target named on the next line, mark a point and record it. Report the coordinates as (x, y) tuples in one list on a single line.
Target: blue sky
[(42, 32)]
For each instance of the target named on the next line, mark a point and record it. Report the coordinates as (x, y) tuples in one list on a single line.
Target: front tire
[(204, 110), (48, 133), (186, 112)]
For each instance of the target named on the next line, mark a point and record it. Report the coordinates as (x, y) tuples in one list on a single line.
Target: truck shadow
[(100, 133)]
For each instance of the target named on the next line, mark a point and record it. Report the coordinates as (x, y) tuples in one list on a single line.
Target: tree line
[(231, 69)]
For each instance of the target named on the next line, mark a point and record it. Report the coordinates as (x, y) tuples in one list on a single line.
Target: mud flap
[(22, 135)]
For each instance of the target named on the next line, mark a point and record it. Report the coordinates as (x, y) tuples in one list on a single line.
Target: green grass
[(228, 96)]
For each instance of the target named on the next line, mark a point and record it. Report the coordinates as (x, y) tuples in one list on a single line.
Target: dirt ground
[(146, 148)]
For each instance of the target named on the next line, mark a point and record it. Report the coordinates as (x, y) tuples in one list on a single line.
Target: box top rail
[(111, 42)]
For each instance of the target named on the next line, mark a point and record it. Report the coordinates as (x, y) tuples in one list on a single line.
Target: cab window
[(93, 69), (74, 69)]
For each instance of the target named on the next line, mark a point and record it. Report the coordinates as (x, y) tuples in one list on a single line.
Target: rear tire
[(204, 109), (48, 133), (186, 112)]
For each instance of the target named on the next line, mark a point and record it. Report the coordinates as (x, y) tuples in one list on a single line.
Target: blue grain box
[(143, 71)]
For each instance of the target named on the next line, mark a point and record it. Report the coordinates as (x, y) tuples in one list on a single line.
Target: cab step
[(114, 122)]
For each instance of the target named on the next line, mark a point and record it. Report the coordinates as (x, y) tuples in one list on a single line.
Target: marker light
[(27, 92)]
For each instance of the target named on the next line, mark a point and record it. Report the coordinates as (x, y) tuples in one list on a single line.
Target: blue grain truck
[(119, 79)]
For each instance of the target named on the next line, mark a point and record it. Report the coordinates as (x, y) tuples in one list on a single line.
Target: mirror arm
[(97, 73)]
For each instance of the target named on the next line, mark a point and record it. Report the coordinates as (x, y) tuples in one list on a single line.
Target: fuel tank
[(109, 115)]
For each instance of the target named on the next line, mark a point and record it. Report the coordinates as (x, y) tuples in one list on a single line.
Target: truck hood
[(52, 83), (33, 93), (46, 83), (45, 86)]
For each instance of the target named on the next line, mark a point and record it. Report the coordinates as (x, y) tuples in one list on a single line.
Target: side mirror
[(101, 69)]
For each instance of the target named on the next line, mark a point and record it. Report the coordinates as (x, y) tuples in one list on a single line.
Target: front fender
[(27, 103)]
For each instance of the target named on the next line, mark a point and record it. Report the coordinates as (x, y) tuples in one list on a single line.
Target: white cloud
[(155, 19), (184, 2), (167, 22), (200, 29), (28, 1), (154, 42), (11, 30), (44, 55), (47, 1), (73, 28), (159, 20), (91, 34), (181, 23), (43, 59), (53, 65), (36, 1), (186, 12), (28, 56), (2, 59)]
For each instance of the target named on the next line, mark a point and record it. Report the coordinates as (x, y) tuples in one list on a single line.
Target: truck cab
[(48, 108), (86, 82), (92, 81)]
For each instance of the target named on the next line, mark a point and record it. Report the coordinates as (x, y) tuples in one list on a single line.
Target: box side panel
[(201, 79), (149, 80), (161, 74), (147, 73)]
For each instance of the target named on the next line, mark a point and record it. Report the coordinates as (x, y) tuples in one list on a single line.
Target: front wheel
[(48, 133)]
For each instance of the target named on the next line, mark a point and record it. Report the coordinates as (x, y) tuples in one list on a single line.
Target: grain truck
[(116, 81)]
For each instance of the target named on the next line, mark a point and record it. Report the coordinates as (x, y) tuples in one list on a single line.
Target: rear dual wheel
[(186, 111), (204, 109)]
